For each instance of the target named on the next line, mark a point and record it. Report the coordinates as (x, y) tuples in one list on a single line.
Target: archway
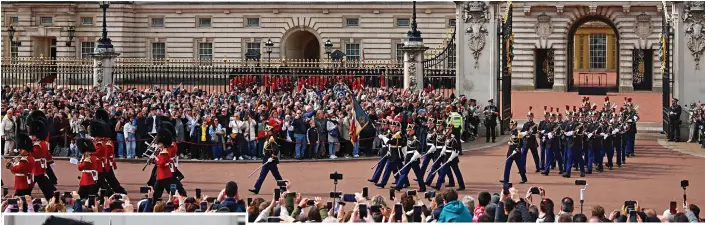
[(597, 60), (301, 44)]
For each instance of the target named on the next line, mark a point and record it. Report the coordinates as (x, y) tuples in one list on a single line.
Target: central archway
[(301, 44), (572, 76)]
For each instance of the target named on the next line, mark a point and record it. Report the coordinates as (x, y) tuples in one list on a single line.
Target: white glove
[(615, 131), (453, 156), (52, 165), (569, 133), (550, 135), (73, 161), (604, 136), (636, 118), (524, 133), (432, 149), (270, 160), (629, 120), (590, 135)]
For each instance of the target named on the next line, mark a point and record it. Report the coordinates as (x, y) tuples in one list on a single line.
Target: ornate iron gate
[(507, 47), (642, 69), (665, 57), (544, 68)]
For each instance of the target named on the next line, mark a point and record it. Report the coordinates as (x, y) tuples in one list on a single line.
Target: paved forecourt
[(651, 178)]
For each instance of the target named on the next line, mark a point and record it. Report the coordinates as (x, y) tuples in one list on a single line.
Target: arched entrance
[(586, 68), (301, 44)]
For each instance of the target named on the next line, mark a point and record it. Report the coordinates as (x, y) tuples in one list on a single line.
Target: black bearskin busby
[(24, 142), (169, 127), (85, 145), (165, 136), (54, 220), (97, 129), (102, 114), (38, 128)]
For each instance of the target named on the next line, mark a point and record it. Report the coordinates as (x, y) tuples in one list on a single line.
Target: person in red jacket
[(97, 131), (38, 131), (22, 165), (110, 165), (87, 165), (173, 150), (165, 164)]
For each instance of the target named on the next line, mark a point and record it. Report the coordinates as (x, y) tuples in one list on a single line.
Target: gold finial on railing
[(225, 58)]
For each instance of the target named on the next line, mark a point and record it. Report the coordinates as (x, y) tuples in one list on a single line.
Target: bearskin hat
[(53, 220), (165, 136), (168, 126), (102, 114), (38, 128), (97, 129), (85, 145), (24, 142)]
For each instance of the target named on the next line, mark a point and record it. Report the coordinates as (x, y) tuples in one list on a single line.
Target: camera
[(310, 202), (365, 192), (411, 192), (349, 198), (335, 194), (336, 176), (684, 183), (430, 194), (144, 190), (535, 190), (581, 182), (282, 183), (363, 210)]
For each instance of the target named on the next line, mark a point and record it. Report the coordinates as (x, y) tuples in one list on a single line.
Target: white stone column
[(103, 64), (476, 49), (413, 65), (689, 83)]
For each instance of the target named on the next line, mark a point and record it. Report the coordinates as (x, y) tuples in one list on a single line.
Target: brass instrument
[(152, 150)]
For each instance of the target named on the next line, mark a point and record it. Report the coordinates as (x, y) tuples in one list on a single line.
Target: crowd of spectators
[(447, 206), (309, 122)]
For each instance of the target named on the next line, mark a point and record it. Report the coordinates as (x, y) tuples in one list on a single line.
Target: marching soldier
[(22, 166), (490, 121), (173, 150), (384, 152), (529, 131), (99, 133), (674, 117), (88, 166), (554, 149), (631, 117), (544, 128), (269, 161), (38, 132), (111, 165), (451, 162), (438, 156), (412, 158), (514, 154), (165, 165), (607, 139), (574, 140), (395, 141), (430, 144), (44, 144), (595, 136)]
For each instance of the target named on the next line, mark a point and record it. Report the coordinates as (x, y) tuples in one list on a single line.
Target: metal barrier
[(592, 83)]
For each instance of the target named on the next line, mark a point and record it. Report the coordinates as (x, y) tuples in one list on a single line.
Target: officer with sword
[(384, 153), (514, 154), (412, 162), (270, 161), (395, 141)]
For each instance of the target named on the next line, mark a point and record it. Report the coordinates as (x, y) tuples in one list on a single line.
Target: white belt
[(171, 167), (176, 161), (93, 173), (42, 163), (20, 175), (29, 178)]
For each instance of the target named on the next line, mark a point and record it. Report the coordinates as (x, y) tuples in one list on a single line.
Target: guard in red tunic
[(38, 132), (165, 165), (110, 165), (97, 131), (88, 166), (44, 144), (22, 166)]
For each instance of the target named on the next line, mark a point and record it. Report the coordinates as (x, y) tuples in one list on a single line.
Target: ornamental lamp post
[(268, 48), (11, 31), (329, 47), (104, 41), (72, 33)]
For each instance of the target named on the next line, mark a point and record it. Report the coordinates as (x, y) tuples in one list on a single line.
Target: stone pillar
[(477, 62), (688, 59), (413, 65), (103, 62)]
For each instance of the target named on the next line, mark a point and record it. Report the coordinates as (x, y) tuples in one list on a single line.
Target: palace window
[(87, 49), (399, 52), (252, 22), (14, 20), (204, 22), (46, 20), (352, 22), (581, 46), (403, 22), (86, 20), (451, 57), (158, 50), (614, 50), (451, 22), (205, 51), (255, 47), (352, 51), (598, 51), (157, 22), (15, 50)]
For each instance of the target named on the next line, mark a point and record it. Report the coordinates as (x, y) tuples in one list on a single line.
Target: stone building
[(362, 30)]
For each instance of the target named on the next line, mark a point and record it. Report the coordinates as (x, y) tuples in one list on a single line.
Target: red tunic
[(173, 151), (163, 166), (87, 165), (109, 156), (39, 156), (100, 154), (23, 173)]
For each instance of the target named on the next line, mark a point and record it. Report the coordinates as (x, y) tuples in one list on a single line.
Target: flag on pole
[(360, 120)]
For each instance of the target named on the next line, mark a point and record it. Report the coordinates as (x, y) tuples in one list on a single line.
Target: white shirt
[(154, 124)]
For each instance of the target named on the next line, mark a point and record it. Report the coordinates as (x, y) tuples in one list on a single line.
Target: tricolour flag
[(360, 120)]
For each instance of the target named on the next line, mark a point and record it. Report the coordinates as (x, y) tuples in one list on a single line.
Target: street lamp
[(329, 47), (268, 48), (104, 41), (72, 33), (11, 31)]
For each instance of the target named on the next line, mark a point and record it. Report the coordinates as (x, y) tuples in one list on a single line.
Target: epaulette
[(271, 139), (107, 143), (163, 151), (396, 135), (23, 158), (37, 143), (86, 159)]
